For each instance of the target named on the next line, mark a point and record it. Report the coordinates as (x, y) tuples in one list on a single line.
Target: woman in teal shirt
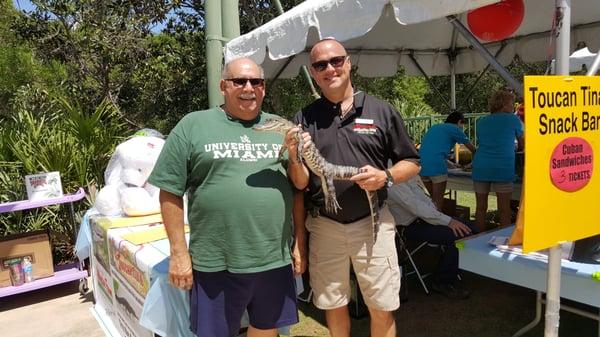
[(494, 161), (435, 146)]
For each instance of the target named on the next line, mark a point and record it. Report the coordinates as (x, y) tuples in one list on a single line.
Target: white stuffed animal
[(127, 190)]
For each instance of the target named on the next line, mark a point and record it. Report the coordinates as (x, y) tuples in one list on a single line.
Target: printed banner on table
[(562, 159), (121, 273), (130, 266), (99, 243), (103, 289), (124, 260), (128, 306)]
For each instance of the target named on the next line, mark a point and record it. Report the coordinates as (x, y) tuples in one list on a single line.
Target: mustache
[(248, 96)]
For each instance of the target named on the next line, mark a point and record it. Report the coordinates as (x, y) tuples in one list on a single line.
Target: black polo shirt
[(372, 133)]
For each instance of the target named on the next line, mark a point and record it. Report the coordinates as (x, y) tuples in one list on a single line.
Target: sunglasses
[(335, 62), (241, 82)]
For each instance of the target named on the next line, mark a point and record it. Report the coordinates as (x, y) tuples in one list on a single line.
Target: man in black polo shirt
[(350, 127)]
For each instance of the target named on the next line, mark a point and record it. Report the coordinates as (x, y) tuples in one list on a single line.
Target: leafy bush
[(52, 133)]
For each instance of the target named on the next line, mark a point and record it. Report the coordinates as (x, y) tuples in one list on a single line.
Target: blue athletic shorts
[(218, 301)]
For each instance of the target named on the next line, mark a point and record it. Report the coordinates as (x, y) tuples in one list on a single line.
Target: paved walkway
[(58, 311)]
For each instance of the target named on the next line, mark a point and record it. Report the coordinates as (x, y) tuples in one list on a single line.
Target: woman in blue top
[(494, 162), (435, 146)]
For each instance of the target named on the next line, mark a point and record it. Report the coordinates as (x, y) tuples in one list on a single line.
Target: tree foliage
[(101, 43)]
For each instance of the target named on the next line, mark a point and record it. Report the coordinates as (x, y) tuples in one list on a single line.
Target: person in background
[(494, 161), (349, 127), (420, 220), (520, 112), (435, 146), (240, 250)]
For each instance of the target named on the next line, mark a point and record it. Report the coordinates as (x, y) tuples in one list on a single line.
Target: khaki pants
[(333, 246)]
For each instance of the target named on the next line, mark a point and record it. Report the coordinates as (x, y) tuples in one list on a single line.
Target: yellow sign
[(562, 160)]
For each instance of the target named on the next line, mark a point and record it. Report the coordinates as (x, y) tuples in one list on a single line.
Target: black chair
[(405, 258)]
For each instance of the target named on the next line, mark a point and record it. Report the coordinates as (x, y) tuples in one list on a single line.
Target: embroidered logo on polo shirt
[(364, 126)]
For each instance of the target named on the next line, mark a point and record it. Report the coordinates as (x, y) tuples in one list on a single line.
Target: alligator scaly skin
[(327, 172)]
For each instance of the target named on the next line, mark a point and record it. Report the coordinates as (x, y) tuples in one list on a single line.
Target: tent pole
[(230, 24), (214, 51), (594, 68), (431, 84), (483, 72), (287, 62), (552, 317), (472, 87), (308, 79), (231, 19), (304, 70), (563, 21), (486, 54), (278, 7), (452, 60), (453, 83)]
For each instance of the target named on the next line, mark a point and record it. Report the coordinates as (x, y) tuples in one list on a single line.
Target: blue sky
[(23, 4), (26, 5)]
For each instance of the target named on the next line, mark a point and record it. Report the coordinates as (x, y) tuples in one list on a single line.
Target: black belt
[(347, 221)]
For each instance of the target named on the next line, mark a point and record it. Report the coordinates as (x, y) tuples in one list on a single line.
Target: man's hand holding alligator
[(291, 142), (370, 178)]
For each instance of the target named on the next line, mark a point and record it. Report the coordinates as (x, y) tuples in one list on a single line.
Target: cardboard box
[(35, 245), (43, 186)]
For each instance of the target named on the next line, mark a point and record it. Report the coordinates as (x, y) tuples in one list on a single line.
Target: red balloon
[(497, 21)]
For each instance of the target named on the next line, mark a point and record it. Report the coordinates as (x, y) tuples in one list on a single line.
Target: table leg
[(538, 316)]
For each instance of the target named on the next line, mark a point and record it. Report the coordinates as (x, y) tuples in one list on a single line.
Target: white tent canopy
[(382, 34), (580, 60)]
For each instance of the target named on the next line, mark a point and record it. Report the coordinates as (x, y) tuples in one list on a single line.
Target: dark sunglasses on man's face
[(335, 62), (241, 82)]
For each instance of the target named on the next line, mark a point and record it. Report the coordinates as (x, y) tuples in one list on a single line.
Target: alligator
[(326, 171)]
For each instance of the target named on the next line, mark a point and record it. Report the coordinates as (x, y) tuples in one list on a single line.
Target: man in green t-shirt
[(239, 211)]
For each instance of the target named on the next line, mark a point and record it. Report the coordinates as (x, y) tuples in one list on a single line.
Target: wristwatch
[(389, 181)]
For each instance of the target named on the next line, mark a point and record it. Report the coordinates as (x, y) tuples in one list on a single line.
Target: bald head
[(330, 68), (326, 46), (243, 88), (243, 62)]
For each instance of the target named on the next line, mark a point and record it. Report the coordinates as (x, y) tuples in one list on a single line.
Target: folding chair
[(306, 298), (406, 254), (306, 295)]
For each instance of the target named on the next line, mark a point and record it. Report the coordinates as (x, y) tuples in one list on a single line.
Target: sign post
[(562, 133)]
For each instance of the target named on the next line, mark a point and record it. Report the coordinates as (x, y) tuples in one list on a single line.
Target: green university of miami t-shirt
[(240, 199)]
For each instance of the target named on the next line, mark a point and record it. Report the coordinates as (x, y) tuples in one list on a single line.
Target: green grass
[(468, 199), (492, 218)]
